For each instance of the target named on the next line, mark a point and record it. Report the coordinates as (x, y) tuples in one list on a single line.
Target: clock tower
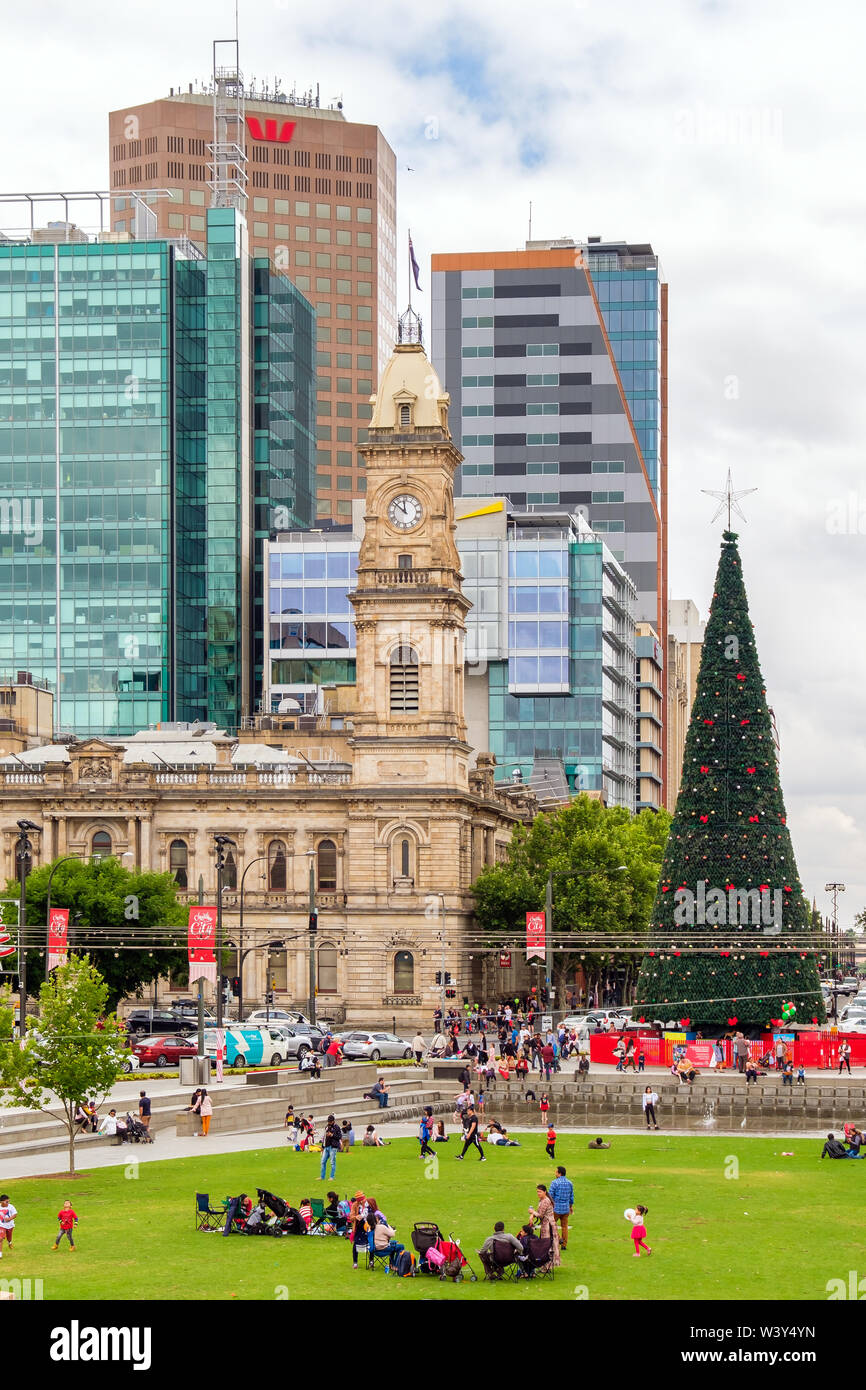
[(409, 725)]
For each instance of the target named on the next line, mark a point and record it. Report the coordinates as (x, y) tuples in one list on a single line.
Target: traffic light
[(448, 980), (314, 921), (269, 997), (236, 986), (450, 994), (438, 977)]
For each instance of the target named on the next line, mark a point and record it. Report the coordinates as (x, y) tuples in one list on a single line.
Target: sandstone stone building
[(383, 801)]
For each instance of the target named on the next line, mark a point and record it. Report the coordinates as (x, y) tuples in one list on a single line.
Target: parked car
[(163, 1050), (293, 1019), (374, 1046), (150, 1022), (300, 1039)]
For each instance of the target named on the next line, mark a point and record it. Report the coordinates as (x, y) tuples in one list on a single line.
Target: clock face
[(405, 511)]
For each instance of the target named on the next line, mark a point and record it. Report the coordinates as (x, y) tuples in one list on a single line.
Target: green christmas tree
[(729, 869)]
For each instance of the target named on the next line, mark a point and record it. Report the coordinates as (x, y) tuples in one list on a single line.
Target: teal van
[(249, 1047)]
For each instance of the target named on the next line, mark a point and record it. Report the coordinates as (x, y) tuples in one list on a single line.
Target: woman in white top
[(650, 1101)]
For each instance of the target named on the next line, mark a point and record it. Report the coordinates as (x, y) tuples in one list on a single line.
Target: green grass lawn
[(779, 1230)]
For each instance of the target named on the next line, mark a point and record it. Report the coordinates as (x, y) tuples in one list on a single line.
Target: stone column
[(146, 828), (132, 838), (61, 837)]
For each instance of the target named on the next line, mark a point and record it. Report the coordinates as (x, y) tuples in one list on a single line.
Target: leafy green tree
[(583, 844), (73, 1053), (729, 837), (141, 911)]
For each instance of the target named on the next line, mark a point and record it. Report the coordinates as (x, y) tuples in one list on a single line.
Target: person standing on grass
[(204, 1108), (8, 1214), (562, 1196), (650, 1101), (425, 1129), (471, 1137), (67, 1218), (331, 1141), (550, 1150), (144, 1108), (638, 1233)]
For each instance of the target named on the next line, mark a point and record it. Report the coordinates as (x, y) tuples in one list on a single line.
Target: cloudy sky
[(729, 135)]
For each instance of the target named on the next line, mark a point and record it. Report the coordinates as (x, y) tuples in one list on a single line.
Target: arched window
[(405, 416), (404, 858), (326, 978), (178, 862), (326, 863), (404, 678), (276, 867), (404, 973), (230, 872), (100, 845)]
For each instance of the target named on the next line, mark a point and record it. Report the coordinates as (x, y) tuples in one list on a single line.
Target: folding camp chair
[(317, 1226), (207, 1218), (539, 1265), (502, 1261), (381, 1256)]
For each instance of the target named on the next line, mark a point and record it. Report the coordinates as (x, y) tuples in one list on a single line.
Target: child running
[(638, 1233), (67, 1219), (8, 1214)]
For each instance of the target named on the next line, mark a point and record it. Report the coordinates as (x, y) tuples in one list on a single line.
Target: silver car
[(374, 1046)]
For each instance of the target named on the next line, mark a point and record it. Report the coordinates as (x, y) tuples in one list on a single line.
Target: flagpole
[(409, 253)]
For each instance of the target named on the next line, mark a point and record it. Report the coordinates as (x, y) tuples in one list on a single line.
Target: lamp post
[(67, 859), (24, 858), (242, 954), (313, 928), (222, 842), (548, 905)]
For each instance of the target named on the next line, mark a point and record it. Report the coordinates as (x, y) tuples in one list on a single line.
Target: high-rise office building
[(555, 359), (158, 405), (319, 195)]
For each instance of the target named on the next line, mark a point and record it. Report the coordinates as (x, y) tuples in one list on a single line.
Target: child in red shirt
[(67, 1219), (551, 1142), (544, 1106)]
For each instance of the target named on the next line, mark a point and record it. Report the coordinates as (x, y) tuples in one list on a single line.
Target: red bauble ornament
[(744, 722), (705, 769), (704, 819), (750, 770), (740, 676)]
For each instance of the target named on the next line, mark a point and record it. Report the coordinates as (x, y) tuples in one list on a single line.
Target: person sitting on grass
[(597, 1144), (834, 1149), (334, 1217), (440, 1137), (372, 1140), (348, 1134), (306, 1211), (500, 1236)]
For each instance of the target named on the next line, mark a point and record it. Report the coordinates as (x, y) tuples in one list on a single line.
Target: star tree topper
[(728, 499)]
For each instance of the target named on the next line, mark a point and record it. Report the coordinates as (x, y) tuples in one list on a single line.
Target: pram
[(136, 1132), (425, 1237), (453, 1260), (286, 1220)]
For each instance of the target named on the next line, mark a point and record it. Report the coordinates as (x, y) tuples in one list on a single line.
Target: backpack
[(404, 1265)]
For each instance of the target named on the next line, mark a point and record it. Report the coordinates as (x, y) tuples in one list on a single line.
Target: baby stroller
[(136, 1133), (453, 1260), (286, 1220), (426, 1236)]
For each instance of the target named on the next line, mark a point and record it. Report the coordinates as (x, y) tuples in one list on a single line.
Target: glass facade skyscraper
[(128, 491)]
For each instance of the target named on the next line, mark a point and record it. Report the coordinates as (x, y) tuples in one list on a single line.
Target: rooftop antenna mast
[(228, 163)]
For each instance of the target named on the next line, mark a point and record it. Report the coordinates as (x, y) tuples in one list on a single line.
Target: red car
[(162, 1051)]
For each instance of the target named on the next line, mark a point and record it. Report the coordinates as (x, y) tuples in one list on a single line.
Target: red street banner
[(535, 937), (202, 935), (504, 959), (58, 930)]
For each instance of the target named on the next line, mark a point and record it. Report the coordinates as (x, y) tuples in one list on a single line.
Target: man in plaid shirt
[(561, 1193)]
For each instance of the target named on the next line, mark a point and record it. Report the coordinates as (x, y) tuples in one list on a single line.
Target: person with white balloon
[(638, 1230)]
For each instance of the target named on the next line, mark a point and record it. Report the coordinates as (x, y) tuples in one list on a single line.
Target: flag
[(220, 1052), (58, 928), (200, 944), (535, 936), (416, 269)]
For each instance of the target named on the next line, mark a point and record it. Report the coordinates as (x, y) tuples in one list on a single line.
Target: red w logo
[(6, 948), (286, 131)]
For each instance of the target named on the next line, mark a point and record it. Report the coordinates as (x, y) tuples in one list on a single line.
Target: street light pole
[(24, 858), (313, 926), (221, 842), (241, 954), (54, 867), (835, 889)]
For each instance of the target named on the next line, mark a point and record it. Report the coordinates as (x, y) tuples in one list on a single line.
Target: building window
[(100, 845), (405, 416), (327, 971), (404, 562), (178, 862), (276, 867), (404, 679), (277, 970), (404, 973), (404, 858), (326, 863)]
